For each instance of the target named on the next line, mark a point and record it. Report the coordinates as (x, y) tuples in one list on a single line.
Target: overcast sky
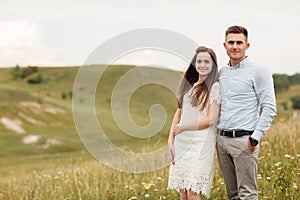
[(64, 33)]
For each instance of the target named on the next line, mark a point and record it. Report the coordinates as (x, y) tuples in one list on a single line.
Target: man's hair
[(237, 30)]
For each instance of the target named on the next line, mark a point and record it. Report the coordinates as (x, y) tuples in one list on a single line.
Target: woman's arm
[(203, 123), (175, 121)]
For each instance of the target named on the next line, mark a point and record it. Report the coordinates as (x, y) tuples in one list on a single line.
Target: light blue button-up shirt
[(245, 89)]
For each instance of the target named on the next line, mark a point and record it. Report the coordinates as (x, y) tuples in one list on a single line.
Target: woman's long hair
[(201, 92)]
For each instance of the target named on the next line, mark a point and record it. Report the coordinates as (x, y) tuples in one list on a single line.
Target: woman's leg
[(194, 196), (183, 195)]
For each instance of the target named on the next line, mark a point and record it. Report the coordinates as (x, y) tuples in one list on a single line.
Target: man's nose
[(234, 45)]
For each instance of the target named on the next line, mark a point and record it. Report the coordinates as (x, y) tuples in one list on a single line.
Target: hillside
[(36, 120), (284, 97)]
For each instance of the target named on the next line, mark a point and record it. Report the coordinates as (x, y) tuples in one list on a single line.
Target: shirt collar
[(241, 64)]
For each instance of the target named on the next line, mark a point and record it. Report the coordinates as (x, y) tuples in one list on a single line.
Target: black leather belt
[(234, 133)]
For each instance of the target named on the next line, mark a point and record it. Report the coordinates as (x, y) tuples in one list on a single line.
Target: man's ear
[(224, 44), (248, 45)]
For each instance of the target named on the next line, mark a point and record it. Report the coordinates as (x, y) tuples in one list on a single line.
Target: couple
[(232, 100)]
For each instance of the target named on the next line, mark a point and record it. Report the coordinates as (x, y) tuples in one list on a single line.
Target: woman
[(191, 139)]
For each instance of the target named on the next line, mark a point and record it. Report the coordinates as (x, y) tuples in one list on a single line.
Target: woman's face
[(204, 64)]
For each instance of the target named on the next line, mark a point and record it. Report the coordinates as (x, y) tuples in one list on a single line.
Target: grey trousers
[(238, 167)]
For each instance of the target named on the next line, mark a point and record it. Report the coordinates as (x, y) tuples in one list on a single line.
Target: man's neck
[(234, 63)]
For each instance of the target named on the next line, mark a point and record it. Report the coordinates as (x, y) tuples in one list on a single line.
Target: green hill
[(284, 97), (36, 120)]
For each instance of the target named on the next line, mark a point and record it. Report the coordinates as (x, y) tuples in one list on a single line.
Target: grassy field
[(65, 170)]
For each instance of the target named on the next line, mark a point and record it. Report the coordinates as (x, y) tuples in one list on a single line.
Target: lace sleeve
[(215, 93)]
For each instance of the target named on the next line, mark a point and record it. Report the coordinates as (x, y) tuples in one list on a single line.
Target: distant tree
[(295, 79), (296, 102), (16, 72), (281, 82), (28, 71)]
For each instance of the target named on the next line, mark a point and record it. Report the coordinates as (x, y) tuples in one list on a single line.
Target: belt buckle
[(220, 132), (233, 133)]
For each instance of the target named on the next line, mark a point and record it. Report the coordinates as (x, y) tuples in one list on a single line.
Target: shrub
[(28, 71), (63, 95), (284, 105), (35, 79), (296, 102), (281, 82), (16, 72)]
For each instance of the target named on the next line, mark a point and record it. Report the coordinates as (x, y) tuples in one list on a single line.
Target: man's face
[(236, 46)]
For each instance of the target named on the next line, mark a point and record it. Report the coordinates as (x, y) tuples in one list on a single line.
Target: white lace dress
[(194, 150)]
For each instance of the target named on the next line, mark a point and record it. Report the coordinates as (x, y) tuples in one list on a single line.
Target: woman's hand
[(172, 153), (176, 129)]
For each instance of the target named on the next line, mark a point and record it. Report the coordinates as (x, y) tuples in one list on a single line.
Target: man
[(247, 110)]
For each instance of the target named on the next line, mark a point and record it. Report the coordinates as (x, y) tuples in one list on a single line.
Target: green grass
[(68, 171), (85, 178)]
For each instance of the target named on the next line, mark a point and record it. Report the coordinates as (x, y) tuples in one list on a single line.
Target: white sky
[(64, 33)]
